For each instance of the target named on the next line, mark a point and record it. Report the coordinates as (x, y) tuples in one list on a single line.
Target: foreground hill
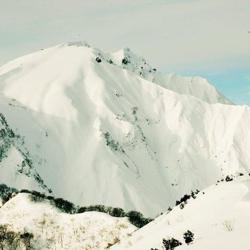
[(29, 222), (99, 128), (217, 219), (214, 218)]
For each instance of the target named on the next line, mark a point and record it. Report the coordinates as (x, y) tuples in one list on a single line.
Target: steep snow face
[(52, 229), (194, 86), (218, 218), (94, 133)]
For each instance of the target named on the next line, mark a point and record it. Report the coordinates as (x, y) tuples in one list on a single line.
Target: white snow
[(53, 229), (104, 133), (194, 86), (219, 219)]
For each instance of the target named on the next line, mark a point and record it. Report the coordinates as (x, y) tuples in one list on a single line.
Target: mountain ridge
[(93, 126)]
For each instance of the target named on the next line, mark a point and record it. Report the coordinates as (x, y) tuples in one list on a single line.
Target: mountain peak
[(154, 134)]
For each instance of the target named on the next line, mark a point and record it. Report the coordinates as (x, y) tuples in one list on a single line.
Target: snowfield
[(219, 219), (101, 128)]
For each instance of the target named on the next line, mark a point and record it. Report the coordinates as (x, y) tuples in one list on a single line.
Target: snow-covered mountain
[(218, 218), (194, 86), (107, 128)]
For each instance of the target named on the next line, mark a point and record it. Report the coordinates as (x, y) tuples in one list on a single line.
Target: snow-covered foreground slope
[(96, 129), (52, 229), (218, 218)]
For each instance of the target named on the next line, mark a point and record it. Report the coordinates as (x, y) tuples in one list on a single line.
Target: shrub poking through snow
[(137, 219), (188, 237), (185, 198), (64, 206), (114, 145), (182, 205), (37, 196), (125, 60), (171, 244), (118, 212), (228, 178), (194, 193), (6, 193), (98, 59), (14, 240)]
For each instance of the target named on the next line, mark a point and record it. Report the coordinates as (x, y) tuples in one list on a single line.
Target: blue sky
[(190, 37), (234, 83)]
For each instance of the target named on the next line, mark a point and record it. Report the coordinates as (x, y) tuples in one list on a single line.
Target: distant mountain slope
[(194, 86), (99, 132), (217, 219)]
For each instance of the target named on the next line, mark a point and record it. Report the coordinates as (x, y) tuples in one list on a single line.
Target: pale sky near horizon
[(191, 37)]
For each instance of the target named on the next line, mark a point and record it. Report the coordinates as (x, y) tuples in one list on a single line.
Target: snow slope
[(104, 133), (53, 229), (194, 86), (218, 218)]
